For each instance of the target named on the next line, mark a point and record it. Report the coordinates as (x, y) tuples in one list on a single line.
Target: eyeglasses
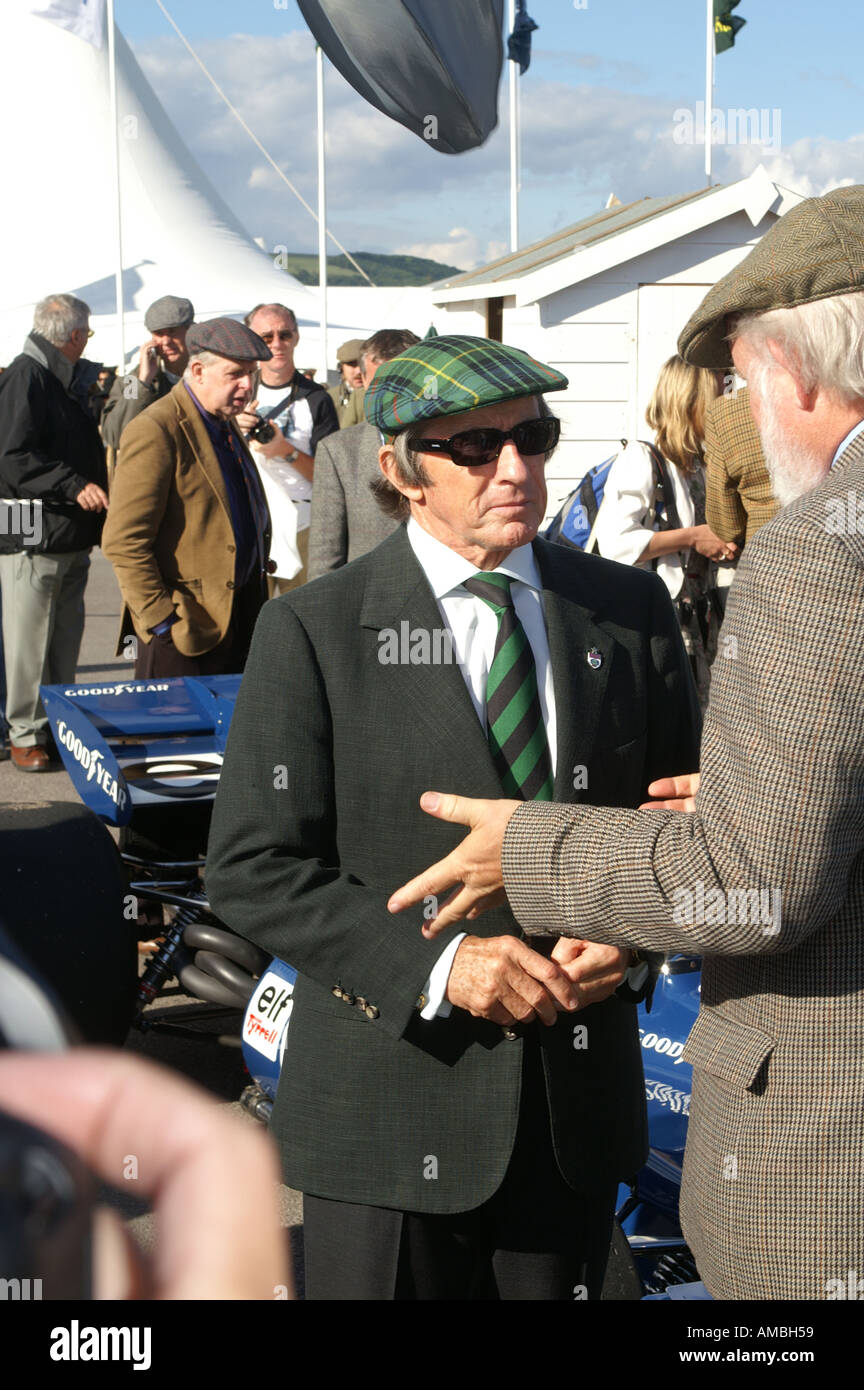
[(473, 448), (282, 335)]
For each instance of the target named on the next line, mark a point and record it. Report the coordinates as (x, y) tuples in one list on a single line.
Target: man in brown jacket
[(188, 531)]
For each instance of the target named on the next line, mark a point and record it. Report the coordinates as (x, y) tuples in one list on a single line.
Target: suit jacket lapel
[(200, 443), (580, 687), (398, 593)]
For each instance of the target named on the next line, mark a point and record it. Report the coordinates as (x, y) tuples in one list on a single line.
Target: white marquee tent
[(179, 236)]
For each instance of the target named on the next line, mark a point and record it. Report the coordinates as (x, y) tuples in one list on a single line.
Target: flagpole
[(514, 137), (322, 217), (709, 86), (115, 145)]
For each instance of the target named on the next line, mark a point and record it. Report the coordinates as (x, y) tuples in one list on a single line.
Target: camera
[(262, 433)]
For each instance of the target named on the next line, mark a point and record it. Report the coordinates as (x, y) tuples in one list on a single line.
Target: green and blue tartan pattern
[(450, 374)]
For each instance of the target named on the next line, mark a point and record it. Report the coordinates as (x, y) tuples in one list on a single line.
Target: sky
[(602, 108)]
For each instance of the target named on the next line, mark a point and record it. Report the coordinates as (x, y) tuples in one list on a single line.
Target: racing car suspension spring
[(168, 960)]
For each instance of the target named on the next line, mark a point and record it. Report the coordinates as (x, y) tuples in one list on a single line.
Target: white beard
[(793, 470)]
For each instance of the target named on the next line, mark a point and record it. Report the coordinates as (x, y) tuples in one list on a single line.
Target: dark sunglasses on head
[(476, 447), (282, 335)]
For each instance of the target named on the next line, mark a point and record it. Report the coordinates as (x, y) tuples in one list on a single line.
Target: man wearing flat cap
[(189, 530), (347, 397), (765, 876), (161, 365), (457, 1114)]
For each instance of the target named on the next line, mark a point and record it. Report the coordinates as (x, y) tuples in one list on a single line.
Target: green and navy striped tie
[(515, 728)]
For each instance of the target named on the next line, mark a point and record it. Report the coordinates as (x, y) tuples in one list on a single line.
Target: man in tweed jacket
[(738, 490), (766, 877)]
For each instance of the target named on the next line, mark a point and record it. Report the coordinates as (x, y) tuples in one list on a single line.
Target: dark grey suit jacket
[(346, 519), (306, 870)]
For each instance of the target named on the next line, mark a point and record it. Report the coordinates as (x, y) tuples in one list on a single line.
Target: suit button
[(509, 1034), (360, 1002), (270, 567), (230, 584), (337, 990), (349, 998), (232, 549), (370, 1011)]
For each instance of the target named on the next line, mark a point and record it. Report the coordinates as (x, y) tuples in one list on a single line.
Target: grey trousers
[(43, 622)]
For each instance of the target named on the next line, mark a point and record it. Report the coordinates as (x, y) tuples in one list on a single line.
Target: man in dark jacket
[(52, 480)]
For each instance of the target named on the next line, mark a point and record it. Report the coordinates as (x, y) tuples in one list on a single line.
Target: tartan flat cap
[(228, 338), (814, 252), (450, 374), (168, 312), (350, 351)]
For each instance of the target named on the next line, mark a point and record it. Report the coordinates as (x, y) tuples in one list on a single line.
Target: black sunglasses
[(473, 448)]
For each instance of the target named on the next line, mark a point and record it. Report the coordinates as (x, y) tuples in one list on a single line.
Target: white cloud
[(387, 190), (460, 248)]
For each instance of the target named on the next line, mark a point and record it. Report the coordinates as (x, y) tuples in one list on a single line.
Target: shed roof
[(611, 236)]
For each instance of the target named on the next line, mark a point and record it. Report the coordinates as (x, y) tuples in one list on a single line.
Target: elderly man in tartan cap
[(766, 877), (188, 531), (458, 1114)]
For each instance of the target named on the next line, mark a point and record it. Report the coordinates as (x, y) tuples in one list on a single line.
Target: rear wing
[(141, 743)]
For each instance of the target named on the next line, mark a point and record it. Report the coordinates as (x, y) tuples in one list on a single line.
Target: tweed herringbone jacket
[(770, 871), (738, 490)]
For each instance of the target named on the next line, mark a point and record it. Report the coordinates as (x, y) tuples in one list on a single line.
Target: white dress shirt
[(473, 628)]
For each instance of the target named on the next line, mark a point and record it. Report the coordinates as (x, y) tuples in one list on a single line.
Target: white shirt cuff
[(435, 988)]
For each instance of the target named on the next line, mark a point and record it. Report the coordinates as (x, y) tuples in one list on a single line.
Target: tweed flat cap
[(228, 338), (350, 351), (814, 252), (450, 374), (168, 312)]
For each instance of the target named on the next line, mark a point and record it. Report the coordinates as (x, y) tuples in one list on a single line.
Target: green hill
[(382, 270)]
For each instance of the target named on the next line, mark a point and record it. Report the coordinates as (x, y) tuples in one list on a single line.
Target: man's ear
[(390, 468), (806, 399)]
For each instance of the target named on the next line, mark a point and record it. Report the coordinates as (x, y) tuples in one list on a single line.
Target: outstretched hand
[(473, 870)]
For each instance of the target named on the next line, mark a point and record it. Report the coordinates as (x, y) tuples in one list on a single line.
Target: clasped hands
[(501, 978)]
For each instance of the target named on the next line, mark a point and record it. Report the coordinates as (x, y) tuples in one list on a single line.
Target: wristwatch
[(290, 458)]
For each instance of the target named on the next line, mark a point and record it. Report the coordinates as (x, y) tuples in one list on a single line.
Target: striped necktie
[(515, 728)]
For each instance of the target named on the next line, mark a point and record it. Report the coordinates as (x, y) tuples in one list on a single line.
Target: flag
[(726, 25), (432, 65), (86, 18), (519, 42)]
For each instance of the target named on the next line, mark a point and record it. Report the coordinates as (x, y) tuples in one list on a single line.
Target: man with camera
[(190, 533), (283, 425)]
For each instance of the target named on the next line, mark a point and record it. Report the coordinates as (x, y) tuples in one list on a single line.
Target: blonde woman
[(639, 525)]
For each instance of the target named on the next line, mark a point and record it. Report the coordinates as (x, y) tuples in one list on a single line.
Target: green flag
[(726, 25)]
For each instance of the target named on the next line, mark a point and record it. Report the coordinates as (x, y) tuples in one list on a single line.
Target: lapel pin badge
[(595, 659)]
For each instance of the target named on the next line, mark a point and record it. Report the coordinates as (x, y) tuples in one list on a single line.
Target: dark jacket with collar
[(49, 448), (305, 871), (129, 395)]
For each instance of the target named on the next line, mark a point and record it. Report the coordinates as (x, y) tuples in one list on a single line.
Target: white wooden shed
[(605, 300)]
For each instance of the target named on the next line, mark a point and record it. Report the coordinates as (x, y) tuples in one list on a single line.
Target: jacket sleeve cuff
[(527, 855)]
